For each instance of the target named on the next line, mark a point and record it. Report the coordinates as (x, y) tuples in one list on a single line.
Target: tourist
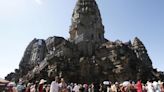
[(47, 88), (81, 89), (150, 87), (122, 88), (162, 87), (96, 87), (63, 85), (55, 85), (20, 86), (12, 87), (32, 88), (76, 88), (28, 87), (70, 87), (36, 86), (41, 84), (156, 86), (139, 86), (131, 87), (144, 89), (91, 88), (109, 88), (114, 88)]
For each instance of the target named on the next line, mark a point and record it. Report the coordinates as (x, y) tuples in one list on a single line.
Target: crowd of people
[(59, 85)]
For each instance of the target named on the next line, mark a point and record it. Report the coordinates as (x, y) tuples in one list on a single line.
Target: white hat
[(42, 81), (11, 84)]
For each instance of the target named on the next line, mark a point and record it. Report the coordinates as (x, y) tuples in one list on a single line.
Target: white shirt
[(150, 87), (32, 88), (156, 86), (54, 87), (76, 88)]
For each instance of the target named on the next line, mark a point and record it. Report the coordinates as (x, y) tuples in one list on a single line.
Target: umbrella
[(106, 82), (2, 81), (125, 83)]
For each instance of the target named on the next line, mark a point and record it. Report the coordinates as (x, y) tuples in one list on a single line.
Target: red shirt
[(139, 86), (41, 88)]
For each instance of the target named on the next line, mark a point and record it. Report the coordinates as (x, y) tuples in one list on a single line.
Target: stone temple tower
[(86, 22), (87, 29)]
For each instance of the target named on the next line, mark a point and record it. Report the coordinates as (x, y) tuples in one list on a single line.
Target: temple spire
[(86, 22)]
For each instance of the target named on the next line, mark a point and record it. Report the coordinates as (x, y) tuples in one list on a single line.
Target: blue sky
[(23, 20)]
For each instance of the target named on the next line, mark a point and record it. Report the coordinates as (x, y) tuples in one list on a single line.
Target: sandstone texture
[(87, 56)]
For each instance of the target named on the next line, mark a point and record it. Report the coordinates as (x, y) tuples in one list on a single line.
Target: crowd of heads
[(59, 85)]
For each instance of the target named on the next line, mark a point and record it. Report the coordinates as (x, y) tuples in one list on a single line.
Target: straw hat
[(42, 81)]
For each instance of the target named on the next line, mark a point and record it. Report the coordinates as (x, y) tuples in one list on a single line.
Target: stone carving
[(86, 26), (87, 56)]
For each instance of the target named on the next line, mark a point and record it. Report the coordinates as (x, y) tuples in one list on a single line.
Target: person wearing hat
[(12, 87), (41, 84)]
